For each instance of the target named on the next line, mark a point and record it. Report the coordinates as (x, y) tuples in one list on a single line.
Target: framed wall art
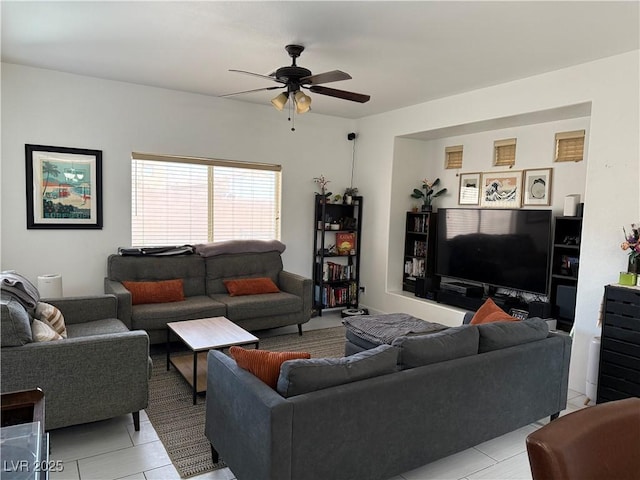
[(501, 189), (537, 186), (64, 187), (469, 193)]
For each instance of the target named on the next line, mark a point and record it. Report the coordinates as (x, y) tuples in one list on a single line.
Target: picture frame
[(501, 189), (469, 190), (64, 187), (537, 186)]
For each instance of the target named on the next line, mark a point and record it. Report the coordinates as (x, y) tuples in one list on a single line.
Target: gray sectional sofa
[(385, 411), (203, 276)]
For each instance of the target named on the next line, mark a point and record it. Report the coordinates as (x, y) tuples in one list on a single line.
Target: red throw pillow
[(490, 312), (163, 291), (250, 286), (264, 364)]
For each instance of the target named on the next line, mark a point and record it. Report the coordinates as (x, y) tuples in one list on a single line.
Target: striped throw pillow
[(42, 332), (264, 364), (50, 315)]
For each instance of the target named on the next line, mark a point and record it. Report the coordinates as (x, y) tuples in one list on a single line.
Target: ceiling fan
[(294, 78)]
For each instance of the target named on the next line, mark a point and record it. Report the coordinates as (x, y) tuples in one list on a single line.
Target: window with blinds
[(184, 200), (453, 157), (504, 152), (570, 146)]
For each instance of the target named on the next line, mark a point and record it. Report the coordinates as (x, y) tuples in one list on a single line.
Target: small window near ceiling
[(453, 157), (570, 146), (504, 153)]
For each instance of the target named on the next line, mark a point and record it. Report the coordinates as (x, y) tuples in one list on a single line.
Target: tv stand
[(474, 303)]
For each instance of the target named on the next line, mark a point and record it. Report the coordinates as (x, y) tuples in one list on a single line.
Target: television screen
[(501, 248)]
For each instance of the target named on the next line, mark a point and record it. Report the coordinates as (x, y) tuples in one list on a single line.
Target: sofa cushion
[(497, 335), (490, 312), (419, 350), (15, 324), (190, 268), (250, 286), (261, 305), (163, 291), (43, 332), (96, 327), (52, 316), (264, 364), (303, 376), (153, 316), (241, 265)]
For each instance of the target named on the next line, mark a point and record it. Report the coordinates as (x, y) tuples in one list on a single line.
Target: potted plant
[(632, 244), (349, 193), (429, 194), (323, 182)]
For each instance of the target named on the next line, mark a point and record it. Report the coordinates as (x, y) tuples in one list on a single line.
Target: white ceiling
[(400, 53)]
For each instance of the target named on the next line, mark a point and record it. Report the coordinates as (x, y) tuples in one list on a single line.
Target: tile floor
[(112, 449)]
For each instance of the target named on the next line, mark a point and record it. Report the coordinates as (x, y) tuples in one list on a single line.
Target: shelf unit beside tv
[(419, 254), (565, 259), (336, 272)]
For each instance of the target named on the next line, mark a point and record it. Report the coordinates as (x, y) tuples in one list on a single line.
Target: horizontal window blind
[(185, 200), (453, 157), (570, 146), (504, 152)]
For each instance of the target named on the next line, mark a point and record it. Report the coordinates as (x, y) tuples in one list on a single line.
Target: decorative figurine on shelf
[(323, 182), (428, 195)]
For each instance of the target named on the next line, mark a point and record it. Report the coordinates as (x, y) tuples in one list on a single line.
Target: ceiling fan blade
[(254, 90), (332, 92), (326, 77), (258, 75)]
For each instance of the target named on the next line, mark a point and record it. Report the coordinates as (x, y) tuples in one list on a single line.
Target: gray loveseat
[(203, 276), (452, 390), (101, 370)]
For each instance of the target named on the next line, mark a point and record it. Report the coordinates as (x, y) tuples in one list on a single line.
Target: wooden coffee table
[(200, 336)]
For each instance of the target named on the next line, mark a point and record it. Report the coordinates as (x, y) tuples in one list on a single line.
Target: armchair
[(100, 371), (599, 442)]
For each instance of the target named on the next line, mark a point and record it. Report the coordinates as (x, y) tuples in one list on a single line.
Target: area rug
[(180, 424)]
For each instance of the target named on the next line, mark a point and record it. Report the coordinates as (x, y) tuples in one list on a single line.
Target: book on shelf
[(332, 271), (346, 243), (414, 267), (334, 296)]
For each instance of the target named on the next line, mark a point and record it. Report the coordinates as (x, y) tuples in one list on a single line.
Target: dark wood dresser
[(619, 373)]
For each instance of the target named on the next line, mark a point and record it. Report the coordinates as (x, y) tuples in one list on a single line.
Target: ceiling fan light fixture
[(280, 101), (303, 102)]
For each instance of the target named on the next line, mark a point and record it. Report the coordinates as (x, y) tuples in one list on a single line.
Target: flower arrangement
[(428, 195), (632, 243), (322, 182)]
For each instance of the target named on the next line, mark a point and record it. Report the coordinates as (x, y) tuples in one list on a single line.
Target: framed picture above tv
[(537, 187), (501, 189), (469, 193)]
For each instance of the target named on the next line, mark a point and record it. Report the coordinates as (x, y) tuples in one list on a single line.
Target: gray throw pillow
[(15, 323), (419, 350), (304, 376), (497, 335)]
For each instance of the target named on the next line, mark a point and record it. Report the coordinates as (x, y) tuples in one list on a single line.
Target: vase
[(348, 199), (632, 267), (426, 208)]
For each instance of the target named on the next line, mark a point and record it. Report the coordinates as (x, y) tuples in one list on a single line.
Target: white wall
[(52, 108), (611, 197)]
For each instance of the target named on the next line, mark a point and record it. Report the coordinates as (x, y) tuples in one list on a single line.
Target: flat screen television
[(504, 248)]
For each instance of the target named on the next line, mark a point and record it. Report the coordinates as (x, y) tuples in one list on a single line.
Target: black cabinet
[(565, 261), (419, 255), (619, 372), (336, 254)]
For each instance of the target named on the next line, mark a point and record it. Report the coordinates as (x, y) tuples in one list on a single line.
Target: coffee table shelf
[(200, 336)]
